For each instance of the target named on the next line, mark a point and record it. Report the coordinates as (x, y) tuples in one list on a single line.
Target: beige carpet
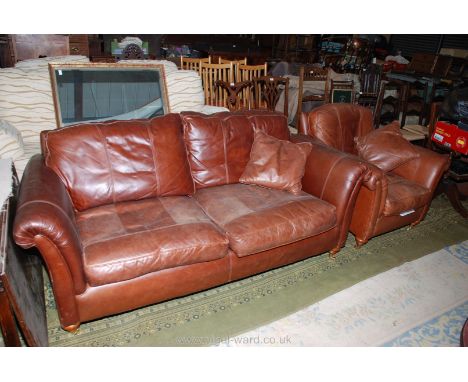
[(420, 303)]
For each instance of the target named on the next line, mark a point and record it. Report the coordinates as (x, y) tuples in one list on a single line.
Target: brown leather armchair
[(388, 200)]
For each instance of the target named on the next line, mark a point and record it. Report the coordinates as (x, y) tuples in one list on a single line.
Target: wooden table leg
[(7, 321)]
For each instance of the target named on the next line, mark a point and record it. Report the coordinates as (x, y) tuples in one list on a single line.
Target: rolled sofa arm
[(426, 170), (335, 177), (45, 219)]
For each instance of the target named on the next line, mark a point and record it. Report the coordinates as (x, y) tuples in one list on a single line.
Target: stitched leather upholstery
[(386, 199), (107, 207)]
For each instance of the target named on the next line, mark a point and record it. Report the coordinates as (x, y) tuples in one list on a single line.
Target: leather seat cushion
[(256, 219), (404, 195), (126, 240)]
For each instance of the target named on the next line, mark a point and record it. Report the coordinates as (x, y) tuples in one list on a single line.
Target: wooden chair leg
[(7, 321), (454, 196), (360, 242)]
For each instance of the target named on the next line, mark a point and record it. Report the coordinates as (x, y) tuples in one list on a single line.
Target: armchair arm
[(335, 177), (45, 219), (425, 170)]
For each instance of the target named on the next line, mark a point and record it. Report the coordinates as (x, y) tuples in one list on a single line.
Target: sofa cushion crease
[(138, 238), (264, 218)]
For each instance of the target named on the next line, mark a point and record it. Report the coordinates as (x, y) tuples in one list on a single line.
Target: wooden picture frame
[(78, 88), (342, 96)]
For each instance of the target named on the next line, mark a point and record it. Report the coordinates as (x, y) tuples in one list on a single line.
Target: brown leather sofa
[(388, 200), (130, 213)]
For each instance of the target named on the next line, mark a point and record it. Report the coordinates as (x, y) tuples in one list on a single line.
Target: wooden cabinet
[(79, 44), (21, 283), (29, 46)]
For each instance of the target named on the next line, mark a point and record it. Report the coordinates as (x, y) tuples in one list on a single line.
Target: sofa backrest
[(116, 161), (218, 145), (337, 124)]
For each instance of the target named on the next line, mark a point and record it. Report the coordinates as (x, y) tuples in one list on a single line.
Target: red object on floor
[(451, 136)]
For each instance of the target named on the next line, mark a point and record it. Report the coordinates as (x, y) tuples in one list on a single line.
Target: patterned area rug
[(210, 317), (420, 303)]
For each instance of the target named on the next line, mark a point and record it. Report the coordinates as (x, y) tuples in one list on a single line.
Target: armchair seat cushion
[(256, 219), (125, 240), (404, 195)]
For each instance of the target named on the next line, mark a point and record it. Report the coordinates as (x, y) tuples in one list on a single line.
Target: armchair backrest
[(337, 125)]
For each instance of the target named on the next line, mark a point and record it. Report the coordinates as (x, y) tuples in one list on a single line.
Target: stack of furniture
[(455, 182)]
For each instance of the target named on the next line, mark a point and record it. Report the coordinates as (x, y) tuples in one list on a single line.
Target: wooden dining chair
[(227, 61), (388, 106), (416, 102), (270, 90), (248, 73), (369, 77), (188, 63), (233, 89), (311, 73), (235, 65), (210, 73)]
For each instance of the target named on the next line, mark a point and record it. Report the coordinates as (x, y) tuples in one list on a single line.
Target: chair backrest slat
[(248, 73), (211, 73), (189, 63)]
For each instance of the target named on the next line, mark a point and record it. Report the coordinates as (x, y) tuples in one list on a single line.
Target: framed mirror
[(97, 92)]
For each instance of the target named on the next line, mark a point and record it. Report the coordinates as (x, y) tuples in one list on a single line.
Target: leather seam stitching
[(46, 202), (108, 162), (62, 258), (151, 138), (161, 251), (225, 151), (328, 175), (143, 231), (287, 221)]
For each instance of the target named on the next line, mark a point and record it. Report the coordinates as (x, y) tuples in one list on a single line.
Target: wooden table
[(21, 286)]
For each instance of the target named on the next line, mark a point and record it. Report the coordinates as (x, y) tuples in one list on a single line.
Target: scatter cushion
[(386, 147), (276, 164), (219, 145), (11, 142)]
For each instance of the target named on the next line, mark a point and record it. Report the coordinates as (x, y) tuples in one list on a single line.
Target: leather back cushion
[(102, 163), (386, 148), (219, 145), (338, 124), (275, 163)]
